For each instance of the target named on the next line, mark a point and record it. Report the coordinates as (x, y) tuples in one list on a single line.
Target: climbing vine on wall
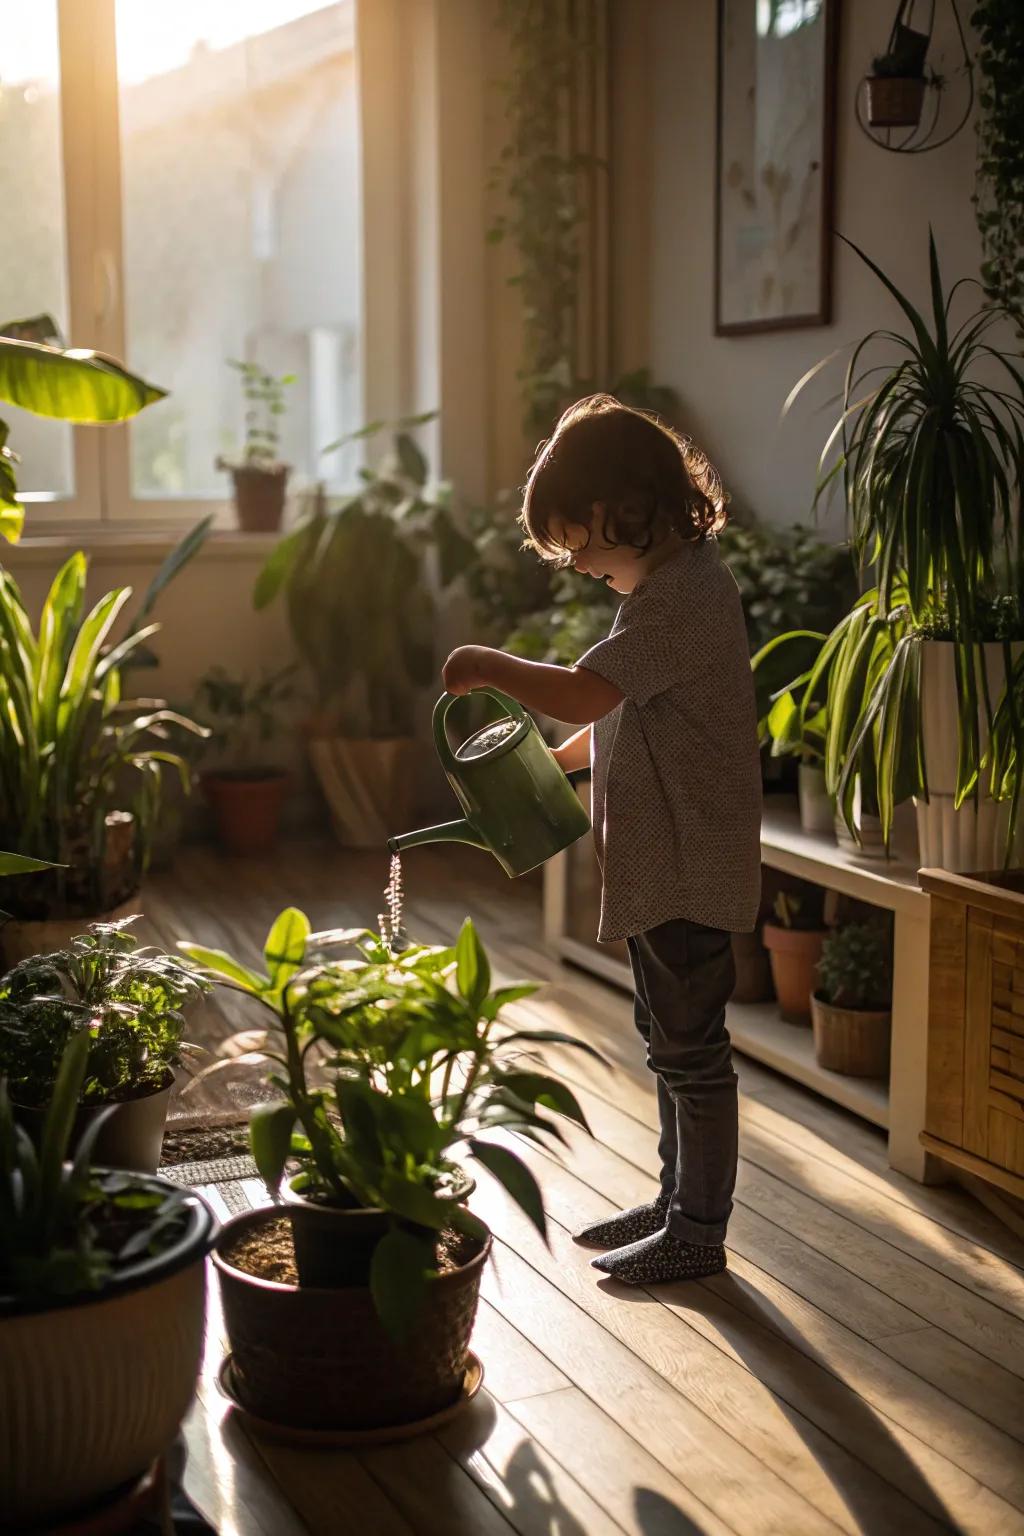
[(999, 199)]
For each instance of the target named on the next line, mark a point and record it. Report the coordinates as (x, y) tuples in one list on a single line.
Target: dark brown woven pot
[(895, 101), (320, 1359)]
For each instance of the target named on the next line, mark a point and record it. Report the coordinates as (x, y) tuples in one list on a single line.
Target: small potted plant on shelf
[(351, 1306), (793, 723), (259, 477), (245, 792), (896, 84), (794, 942), (81, 766), (102, 1300), (851, 1009), (368, 642), (130, 1004)]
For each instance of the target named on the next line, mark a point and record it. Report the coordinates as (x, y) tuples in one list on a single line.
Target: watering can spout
[(461, 831)]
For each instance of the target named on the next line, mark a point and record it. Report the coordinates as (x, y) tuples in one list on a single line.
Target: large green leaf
[(222, 965), (76, 386), (402, 1264), (513, 1174), (472, 968), (285, 948), (270, 1136), (20, 864)]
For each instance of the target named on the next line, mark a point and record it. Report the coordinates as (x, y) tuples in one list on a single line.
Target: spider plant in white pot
[(931, 455)]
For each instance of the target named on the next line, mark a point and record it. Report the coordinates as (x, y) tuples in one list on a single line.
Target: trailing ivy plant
[(999, 200)]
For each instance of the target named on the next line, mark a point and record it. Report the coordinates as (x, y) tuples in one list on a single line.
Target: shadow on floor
[(866, 1441)]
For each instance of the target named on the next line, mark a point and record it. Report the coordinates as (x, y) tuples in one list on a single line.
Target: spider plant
[(69, 743)]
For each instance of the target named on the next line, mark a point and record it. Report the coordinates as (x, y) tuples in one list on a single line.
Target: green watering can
[(519, 804)]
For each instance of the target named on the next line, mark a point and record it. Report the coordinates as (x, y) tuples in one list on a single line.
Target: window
[(211, 174)]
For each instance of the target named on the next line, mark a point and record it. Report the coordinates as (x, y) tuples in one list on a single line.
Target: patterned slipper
[(627, 1227), (661, 1258)]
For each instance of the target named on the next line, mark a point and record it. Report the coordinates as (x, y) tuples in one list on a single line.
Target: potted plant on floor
[(794, 942), (130, 1003), (259, 477), (245, 791), (80, 767), (384, 1066), (360, 608), (932, 458), (102, 1291), (851, 1008)]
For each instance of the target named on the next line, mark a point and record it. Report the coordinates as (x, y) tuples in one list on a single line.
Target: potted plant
[(794, 724), (80, 766), (794, 942), (130, 1002), (102, 1282), (259, 477), (360, 608), (384, 1066), (245, 792), (932, 455), (896, 84), (851, 1008)]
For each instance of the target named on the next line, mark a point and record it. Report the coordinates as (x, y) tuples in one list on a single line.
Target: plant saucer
[(291, 1434)]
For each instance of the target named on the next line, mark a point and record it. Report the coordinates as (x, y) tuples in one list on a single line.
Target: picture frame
[(775, 164)]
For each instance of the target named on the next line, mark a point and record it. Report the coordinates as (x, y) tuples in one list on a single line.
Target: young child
[(667, 708)]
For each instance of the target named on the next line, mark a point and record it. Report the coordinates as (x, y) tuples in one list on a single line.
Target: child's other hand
[(465, 669)]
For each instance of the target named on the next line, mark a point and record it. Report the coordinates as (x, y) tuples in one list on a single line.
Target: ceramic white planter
[(972, 838), (93, 1390), (369, 786), (816, 813)]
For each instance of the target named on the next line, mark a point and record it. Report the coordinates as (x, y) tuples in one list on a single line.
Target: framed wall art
[(774, 168)]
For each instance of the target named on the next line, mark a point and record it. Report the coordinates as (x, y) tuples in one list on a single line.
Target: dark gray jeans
[(684, 977)]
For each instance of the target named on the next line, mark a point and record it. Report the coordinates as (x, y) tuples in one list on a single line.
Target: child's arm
[(571, 694), (574, 754)]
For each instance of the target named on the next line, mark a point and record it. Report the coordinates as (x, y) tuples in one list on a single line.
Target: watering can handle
[(440, 720)]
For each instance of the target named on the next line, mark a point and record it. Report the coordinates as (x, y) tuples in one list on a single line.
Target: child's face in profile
[(619, 566)]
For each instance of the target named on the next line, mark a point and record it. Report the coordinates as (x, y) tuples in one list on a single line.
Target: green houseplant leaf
[(76, 385)]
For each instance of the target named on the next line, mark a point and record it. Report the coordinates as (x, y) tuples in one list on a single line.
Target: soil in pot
[(795, 953), (319, 1358), (247, 806)]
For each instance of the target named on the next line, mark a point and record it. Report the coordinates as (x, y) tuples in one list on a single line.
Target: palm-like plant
[(67, 739)]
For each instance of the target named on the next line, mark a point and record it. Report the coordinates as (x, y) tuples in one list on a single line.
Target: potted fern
[(102, 1301), (130, 1002), (851, 1008), (350, 1306)]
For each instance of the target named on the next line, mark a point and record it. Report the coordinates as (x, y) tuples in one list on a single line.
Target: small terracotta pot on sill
[(259, 495), (794, 953)]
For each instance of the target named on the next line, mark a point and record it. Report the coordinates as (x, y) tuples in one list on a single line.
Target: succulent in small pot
[(852, 1005), (129, 1004), (794, 943), (102, 1291), (387, 1065), (245, 788)]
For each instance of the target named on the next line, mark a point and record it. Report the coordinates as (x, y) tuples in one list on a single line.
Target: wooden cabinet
[(974, 1115)]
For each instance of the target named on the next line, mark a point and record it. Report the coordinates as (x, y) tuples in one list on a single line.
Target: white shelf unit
[(758, 1031)]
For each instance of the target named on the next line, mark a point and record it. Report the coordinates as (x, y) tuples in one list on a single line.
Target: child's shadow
[(802, 1382)]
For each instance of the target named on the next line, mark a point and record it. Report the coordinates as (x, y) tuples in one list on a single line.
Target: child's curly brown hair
[(647, 480)]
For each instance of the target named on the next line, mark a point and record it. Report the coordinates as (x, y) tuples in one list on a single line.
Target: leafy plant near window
[(358, 602), (243, 714), (78, 386), (265, 406), (69, 743), (386, 1067), (999, 200), (128, 1002)]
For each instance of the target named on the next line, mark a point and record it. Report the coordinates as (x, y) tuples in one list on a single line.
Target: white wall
[(733, 387)]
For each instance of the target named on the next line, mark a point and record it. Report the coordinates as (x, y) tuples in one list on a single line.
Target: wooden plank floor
[(859, 1368)]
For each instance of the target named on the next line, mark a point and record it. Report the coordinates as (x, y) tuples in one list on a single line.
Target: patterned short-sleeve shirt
[(676, 766)]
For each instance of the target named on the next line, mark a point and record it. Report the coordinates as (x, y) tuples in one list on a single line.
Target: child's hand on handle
[(465, 669)]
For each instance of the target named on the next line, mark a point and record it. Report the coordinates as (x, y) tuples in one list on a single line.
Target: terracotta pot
[(895, 101), (132, 1137), (753, 969), (795, 953), (247, 808), (259, 497), (854, 1041), (20, 940), (320, 1358), (369, 786), (93, 1388)]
